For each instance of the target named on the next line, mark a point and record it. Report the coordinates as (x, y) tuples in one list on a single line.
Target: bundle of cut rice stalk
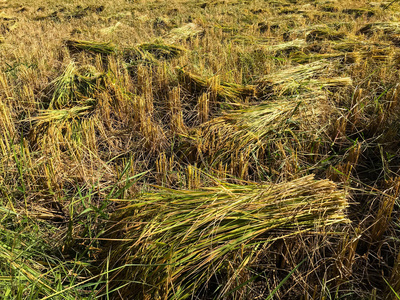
[(60, 118), (169, 244), (184, 33), (90, 46), (149, 53), (350, 45), (74, 85), (259, 140), (161, 50), (222, 90), (288, 80), (286, 48), (348, 57), (381, 27)]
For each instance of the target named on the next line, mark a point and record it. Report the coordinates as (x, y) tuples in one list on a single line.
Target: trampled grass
[(199, 149)]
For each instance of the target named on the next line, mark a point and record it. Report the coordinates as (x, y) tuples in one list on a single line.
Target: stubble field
[(199, 149)]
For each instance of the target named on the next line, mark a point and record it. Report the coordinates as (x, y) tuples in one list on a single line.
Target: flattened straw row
[(251, 135), (175, 241), (290, 78), (184, 33), (223, 90), (90, 46), (149, 52), (381, 27), (349, 57), (285, 48)]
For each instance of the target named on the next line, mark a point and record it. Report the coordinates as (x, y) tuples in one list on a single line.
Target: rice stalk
[(90, 46), (222, 90), (286, 48), (162, 51), (59, 117), (184, 33), (347, 57), (174, 242), (75, 85), (324, 34), (288, 80), (273, 137)]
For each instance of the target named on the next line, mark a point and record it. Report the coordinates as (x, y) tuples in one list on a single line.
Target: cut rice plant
[(90, 46), (59, 118), (162, 51), (324, 34), (379, 27), (389, 31), (172, 243), (350, 45), (184, 33), (271, 138), (344, 57), (75, 85), (149, 54), (286, 48), (288, 80), (221, 91)]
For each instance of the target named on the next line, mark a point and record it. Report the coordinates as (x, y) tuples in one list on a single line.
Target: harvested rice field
[(200, 149)]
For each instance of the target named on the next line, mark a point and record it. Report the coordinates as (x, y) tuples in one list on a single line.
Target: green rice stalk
[(224, 90), (173, 242), (90, 46)]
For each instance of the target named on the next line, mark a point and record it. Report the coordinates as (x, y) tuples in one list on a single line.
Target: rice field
[(199, 149)]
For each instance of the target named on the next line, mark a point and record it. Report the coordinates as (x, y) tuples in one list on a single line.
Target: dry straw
[(173, 242)]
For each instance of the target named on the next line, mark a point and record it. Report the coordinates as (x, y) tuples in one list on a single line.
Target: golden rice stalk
[(288, 80), (265, 136), (169, 244), (90, 46), (60, 117), (285, 48), (162, 51), (385, 27), (222, 90), (184, 33), (324, 34), (348, 57), (150, 53), (74, 85), (2, 39), (358, 45)]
